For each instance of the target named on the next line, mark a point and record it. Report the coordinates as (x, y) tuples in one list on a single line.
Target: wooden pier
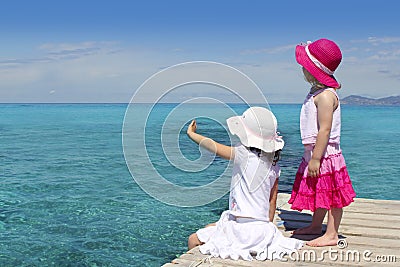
[(369, 232)]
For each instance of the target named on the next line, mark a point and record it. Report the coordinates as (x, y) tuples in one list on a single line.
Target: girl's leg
[(194, 241), (330, 237), (315, 228)]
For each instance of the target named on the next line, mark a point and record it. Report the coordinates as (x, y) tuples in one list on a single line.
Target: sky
[(103, 51)]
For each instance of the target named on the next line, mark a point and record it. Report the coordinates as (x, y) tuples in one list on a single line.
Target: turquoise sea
[(67, 197)]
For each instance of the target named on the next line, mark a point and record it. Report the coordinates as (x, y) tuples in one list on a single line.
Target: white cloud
[(383, 40), (373, 48), (65, 51), (103, 72), (81, 72), (59, 52), (370, 67)]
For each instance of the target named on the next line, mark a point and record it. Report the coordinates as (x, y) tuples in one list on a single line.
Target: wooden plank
[(321, 257), (385, 220), (369, 206), (351, 229), (367, 225), (373, 242), (376, 232)]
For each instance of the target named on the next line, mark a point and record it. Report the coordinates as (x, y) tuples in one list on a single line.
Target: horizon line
[(127, 103)]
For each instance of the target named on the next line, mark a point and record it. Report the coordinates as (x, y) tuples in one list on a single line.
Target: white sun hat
[(257, 127)]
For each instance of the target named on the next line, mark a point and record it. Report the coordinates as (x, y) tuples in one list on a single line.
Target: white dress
[(235, 237)]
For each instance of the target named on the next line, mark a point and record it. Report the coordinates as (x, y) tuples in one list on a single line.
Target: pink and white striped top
[(309, 120)]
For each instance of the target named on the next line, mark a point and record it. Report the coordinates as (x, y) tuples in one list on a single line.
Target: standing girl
[(322, 182), (245, 229)]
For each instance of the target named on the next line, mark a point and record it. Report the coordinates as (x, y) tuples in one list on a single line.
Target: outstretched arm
[(226, 152)]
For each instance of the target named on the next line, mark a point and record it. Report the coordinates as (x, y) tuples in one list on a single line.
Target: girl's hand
[(192, 127), (313, 168), (221, 150)]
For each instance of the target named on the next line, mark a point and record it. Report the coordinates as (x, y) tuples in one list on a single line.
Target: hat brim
[(303, 59), (238, 128)]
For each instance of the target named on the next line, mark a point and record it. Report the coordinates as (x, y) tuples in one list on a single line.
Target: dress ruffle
[(332, 189), (237, 239)]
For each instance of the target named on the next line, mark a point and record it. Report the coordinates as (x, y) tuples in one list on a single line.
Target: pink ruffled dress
[(333, 188)]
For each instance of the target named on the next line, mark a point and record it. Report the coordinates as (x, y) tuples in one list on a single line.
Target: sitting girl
[(245, 229)]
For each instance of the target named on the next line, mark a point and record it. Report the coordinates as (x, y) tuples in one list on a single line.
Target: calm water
[(68, 199)]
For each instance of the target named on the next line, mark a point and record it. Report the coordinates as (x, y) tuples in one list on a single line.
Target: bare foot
[(323, 241), (309, 230)]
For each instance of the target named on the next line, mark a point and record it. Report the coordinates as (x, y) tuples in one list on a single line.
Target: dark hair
[(277, 157), (277, 154)]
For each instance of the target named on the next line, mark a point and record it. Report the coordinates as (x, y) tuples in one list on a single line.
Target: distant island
[(360, 100)]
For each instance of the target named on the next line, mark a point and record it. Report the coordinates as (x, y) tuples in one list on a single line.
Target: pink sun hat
[(321, 58)]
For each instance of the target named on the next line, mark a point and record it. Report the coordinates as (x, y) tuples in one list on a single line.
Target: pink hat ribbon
[(318, 63)]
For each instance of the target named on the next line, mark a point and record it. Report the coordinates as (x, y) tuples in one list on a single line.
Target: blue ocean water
[(67, 197)]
